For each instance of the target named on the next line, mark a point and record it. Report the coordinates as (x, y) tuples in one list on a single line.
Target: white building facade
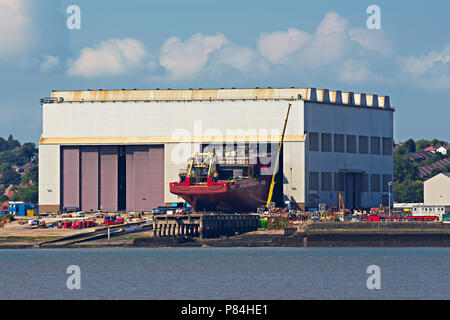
[(119, 150)]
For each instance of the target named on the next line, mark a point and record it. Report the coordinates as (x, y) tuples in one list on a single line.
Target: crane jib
[(269, 198)]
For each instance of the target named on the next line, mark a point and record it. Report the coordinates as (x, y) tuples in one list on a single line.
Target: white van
[(33, 222)]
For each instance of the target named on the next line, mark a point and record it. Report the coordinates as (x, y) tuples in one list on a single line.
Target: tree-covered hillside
[(18, 171), (408, 180)]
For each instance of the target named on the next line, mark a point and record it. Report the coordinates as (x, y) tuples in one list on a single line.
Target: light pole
[(389, 187)]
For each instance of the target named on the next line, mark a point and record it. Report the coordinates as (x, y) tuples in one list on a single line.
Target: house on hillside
[(444, 149), (4, 207), (8, 191), (397, 146), (425, 170), (19, 170), (419, 156), (430, 149)]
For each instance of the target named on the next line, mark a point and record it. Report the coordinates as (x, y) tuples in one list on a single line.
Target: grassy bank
[(26, 239)]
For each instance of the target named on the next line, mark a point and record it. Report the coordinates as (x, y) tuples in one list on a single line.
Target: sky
[(222, 44)]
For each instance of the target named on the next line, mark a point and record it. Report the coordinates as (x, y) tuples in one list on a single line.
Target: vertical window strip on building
[(326, 142), (339, 144), (387, 146), (374, 183), (363, 146), (313, 141), (339, 181), (375, 145), (365, 183), (326, 181), (351, 143), (314, 181)]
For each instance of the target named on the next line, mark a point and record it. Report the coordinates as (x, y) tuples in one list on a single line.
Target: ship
[(232, 181), (236, 185)]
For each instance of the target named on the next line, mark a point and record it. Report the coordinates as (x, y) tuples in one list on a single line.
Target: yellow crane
[(272, 184), (341, 205)]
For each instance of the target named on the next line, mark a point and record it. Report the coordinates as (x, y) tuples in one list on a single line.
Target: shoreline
[(299, 240), (371, 234)]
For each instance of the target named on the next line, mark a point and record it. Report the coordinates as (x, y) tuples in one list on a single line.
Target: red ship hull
[(230, 196)]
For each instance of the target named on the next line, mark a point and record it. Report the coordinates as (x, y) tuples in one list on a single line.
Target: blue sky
[(213, 44)]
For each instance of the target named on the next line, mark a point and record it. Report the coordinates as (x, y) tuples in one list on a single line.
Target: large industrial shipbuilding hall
[(118, 150)]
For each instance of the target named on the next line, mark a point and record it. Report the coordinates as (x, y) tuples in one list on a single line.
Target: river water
[(225, 273)]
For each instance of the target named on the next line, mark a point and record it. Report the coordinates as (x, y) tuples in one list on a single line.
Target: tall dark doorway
[(353, 184), (122, 180)]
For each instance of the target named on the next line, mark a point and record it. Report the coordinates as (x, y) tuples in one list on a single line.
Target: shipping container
[(446, 218), (21, 208)]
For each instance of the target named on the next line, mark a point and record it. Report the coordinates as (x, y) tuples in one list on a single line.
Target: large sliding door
[(145, 177), (70, 177), (156, 157), (108, 177), (89, 178), (112, 178)]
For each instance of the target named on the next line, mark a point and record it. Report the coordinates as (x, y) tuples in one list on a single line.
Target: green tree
[(26, 152), (422, 144), (9, 176), (12, 143), (408, 191), (26, 194), (437, 142), (32, 174), (410, 145), (3, 144), (404, 169), (9, 157), (4, 166)]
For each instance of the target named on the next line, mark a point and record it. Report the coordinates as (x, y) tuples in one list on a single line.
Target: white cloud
[(185, 58), (329, 43), (16, 29), (298, 48), (333, 42), (49, 63), (355, 71), (430, 71), (240, 58), (110, 58), (279, 45), (374, 40)]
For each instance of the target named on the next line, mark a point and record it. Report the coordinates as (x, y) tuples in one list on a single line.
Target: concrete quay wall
[(203, 226)]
